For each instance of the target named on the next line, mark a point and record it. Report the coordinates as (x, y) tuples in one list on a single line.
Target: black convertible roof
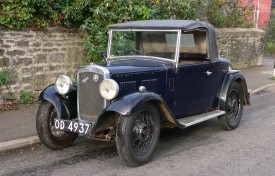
[(174, 24), (161, 24)]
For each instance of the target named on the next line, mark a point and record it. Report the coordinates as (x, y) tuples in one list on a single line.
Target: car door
[(219, 71), (192, 88)]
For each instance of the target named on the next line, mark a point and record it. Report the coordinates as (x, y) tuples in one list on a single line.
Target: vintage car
[(157, 74)]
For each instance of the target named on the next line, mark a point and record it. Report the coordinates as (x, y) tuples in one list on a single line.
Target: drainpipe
[(254, 13), (258, 14)]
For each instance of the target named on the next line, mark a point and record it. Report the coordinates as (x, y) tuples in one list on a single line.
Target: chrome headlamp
[(63, 84), (108, 89)]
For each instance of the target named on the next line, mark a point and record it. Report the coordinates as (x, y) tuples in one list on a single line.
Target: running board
[(192, 120)]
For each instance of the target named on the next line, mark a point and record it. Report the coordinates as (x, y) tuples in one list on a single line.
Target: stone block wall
[(35, 58), (242, 46)]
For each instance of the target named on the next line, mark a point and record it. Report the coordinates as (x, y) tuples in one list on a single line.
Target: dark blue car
[(157, 74)]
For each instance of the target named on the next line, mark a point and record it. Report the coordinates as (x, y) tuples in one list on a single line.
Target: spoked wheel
[(142, 133), (50, 136), (233, 107), (137, 135)]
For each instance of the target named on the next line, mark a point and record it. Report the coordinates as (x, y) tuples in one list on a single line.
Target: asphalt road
[(204, 149)]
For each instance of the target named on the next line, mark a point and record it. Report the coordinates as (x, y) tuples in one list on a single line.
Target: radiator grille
[(90, 102)]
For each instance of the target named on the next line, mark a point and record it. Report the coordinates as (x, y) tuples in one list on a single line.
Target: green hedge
[(111, 11), (93, 16), (42, 13), (270, 35)]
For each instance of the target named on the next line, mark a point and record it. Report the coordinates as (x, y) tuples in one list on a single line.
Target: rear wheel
[(137, 135), (47, 133), (233, 107)]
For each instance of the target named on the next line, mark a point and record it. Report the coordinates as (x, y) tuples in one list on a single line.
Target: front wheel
[(233, 107), (137, 135), (49, 136)]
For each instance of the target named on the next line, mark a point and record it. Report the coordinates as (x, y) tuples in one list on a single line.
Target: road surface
[(204, 149)]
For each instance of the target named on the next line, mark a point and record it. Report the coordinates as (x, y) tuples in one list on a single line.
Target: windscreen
[(145, 43)]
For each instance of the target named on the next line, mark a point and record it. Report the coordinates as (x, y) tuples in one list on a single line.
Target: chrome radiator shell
[(90, 104)]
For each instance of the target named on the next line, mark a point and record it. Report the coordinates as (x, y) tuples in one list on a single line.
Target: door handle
[(208, 73)]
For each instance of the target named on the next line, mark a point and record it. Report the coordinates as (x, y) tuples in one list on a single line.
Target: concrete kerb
[(255, 91), (14, 144), (18, 143)]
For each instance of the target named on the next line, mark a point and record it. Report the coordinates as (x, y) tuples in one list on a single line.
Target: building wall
[(34, 58), (264, 10)]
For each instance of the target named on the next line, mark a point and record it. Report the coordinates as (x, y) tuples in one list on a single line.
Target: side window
[(159, 44), (193, 47), (187, 41)]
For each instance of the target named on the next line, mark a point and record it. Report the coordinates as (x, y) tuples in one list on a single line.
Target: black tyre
[(137, 135), (47, 133), (233, 107)]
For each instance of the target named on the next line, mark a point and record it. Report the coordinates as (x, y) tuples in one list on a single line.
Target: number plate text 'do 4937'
[(72, 126)]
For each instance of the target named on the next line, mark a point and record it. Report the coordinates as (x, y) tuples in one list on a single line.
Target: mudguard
[(127, 104), (65, 106), (231, 77)]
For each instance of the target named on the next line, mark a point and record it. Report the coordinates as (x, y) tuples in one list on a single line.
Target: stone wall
[(34, 58), (243, 47)]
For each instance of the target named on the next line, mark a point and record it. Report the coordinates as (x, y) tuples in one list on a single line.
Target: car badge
[(84, 80), (95, 77)]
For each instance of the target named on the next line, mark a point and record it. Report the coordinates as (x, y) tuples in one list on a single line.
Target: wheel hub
[(233, 106), (141, 133), (140, 130)]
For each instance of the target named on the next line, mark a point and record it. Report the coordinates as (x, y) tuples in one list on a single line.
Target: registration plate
[(72, 126)]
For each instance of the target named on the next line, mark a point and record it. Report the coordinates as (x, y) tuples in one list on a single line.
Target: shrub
[(94, 16), (42, 13), (227, 13), (118, 11), (26, 97), (4, 78), (270, 35), (16, 13)]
